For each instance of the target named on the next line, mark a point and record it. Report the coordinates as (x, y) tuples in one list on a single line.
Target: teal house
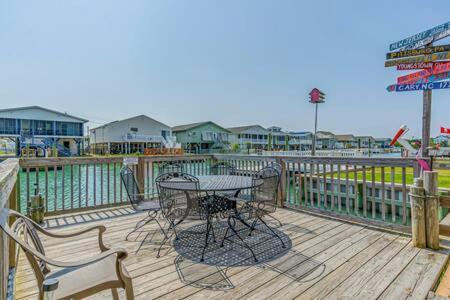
[(202, 137)]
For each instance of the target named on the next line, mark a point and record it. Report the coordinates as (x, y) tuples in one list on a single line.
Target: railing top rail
[(36, 162), (8, 175), (177, 157), (244, 157), (368, 161)]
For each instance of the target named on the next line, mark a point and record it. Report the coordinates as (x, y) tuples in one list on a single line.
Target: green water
[(81, 186)]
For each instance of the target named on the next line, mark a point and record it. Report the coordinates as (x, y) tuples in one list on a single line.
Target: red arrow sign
[(437, 69)]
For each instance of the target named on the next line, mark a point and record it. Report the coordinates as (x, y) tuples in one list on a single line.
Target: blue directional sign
[(419, 86), (428, 34)]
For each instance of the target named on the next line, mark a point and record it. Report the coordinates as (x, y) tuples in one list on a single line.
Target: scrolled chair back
[(179, 196), (131, 187), (223, 168), (276, 166), (170, 167), (265, 193)]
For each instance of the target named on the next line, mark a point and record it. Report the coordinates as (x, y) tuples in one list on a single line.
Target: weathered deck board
[(345, 261)]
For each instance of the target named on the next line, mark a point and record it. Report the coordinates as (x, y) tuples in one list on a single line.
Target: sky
[(234, 62)]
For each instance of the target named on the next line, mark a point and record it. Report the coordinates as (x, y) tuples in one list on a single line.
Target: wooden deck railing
[(374, 190), (8, 198)]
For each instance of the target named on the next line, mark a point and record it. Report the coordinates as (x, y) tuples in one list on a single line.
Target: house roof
[(345, 137), (195, 125), (244, 128), (325, 134), (364, 137), (127, 119), (43, 108)]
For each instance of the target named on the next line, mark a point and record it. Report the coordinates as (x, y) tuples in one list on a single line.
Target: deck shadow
[(202, 276), (265, 246), (298, 268), (86, 217)]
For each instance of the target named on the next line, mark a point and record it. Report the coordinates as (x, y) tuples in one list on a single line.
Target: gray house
[(325, 140), (131, 135), (254, 136)]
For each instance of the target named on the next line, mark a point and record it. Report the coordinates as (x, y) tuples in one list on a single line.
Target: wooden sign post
[(426, 119), (409, 51)]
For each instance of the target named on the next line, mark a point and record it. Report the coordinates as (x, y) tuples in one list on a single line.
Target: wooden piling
[(418, 227), (431, 188)]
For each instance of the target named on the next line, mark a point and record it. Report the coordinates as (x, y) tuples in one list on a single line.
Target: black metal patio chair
[(170, 167), (140, 203), (181, 200), (262, 202), (223, 168)]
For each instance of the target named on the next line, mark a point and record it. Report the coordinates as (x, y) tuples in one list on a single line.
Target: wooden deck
[(328, 259)]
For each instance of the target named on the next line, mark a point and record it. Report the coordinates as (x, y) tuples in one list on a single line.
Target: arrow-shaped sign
[(427, 35), (418, 86)]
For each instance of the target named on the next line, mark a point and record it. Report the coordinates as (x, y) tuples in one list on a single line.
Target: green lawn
[(444, 176)]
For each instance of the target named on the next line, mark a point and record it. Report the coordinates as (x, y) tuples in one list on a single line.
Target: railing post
[(140, 174), (417, 196), (282, 187), (431, 188), (13, 204)]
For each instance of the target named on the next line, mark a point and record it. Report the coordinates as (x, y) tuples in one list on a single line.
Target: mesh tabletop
[(215, 183)]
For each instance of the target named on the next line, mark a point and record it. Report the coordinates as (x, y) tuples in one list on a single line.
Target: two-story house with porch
[(130, 135), (40, 130), (250, 137), (202, 137)]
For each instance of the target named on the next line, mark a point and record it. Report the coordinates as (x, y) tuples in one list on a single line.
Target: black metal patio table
[(216, 183), (216, 203)]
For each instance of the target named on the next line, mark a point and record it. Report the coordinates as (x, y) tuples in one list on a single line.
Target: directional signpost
[(418, 86), (429, 36), (417, 53), (421, 58)]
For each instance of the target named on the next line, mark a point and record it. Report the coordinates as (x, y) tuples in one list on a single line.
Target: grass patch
[(444, 176)]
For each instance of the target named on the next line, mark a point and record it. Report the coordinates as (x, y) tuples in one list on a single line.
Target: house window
[(69, 129), (42, 127), (134, 129), (8, 126)]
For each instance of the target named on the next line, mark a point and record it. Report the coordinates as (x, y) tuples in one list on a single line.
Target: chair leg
[(226, 233), (252, 227), (242, 240), (129, 293), (212, 231), (161, 227), (139, 225), (150, 217), (273, 232), (168, 237), (142, 243), (208, 225), (115, 295)]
